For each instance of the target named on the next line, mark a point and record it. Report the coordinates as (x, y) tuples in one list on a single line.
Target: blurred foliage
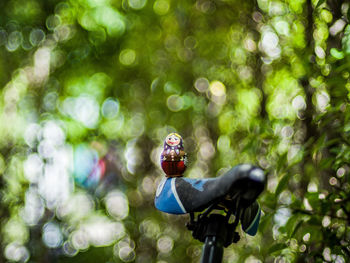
[(90, 89)]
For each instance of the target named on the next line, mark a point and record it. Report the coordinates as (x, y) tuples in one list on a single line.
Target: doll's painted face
[(172, 140)]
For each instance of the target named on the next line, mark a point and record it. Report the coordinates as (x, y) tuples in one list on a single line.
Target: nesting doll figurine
[(173, 158)]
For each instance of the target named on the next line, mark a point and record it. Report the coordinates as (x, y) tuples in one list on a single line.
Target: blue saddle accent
[(167, 199), (197, 183), (253, 228)]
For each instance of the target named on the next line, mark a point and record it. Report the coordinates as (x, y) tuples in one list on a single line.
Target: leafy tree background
[(92, 87)]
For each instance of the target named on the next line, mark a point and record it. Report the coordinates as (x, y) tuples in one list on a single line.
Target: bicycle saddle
[(185, 195)]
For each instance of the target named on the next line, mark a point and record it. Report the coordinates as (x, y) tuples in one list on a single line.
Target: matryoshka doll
[(173, 158)]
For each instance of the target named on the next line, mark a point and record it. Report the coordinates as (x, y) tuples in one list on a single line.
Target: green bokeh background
[(262, 82)]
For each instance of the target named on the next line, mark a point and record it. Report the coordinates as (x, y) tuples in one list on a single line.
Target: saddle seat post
[(216, 232), (215, 236)]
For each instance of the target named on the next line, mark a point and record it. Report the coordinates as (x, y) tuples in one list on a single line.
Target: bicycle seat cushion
[(184, 195)]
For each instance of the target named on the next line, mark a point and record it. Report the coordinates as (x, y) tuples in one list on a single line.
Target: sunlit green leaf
[(336, 54), (277, 247), (319, 3), (283, 184)]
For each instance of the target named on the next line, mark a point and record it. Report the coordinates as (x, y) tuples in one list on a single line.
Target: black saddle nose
[(247, 182)]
